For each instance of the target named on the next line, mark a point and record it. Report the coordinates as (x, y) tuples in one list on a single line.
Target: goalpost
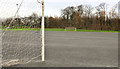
[(19, 47), (43, 33)]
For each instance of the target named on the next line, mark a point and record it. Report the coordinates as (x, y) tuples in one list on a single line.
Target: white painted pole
[(43, 33)]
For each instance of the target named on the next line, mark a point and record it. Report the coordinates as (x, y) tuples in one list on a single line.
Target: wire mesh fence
[(21, 35), (0, 47), (21, 47)]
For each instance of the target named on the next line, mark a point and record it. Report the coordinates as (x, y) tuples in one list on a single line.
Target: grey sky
[(52, 7)]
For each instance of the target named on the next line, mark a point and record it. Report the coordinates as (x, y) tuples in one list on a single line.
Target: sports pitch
[(70, 49)]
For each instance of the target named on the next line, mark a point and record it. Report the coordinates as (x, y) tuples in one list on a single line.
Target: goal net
[(21, 35), (0, 46)]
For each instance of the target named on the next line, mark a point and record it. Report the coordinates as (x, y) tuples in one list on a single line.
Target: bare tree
[(67, 13), (88, 10), (101, 9), (80, 9), (113, 11), (119, 9)]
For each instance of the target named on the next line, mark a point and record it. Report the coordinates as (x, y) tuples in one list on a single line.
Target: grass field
[(55, 29)]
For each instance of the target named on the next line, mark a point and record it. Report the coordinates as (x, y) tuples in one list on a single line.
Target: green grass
[(23, 29), (55, 29)]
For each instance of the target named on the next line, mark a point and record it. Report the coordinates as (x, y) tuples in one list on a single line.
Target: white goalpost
[(43, 33)]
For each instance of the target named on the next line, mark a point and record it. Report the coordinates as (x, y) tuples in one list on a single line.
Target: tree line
[(80, 17), (87, 17)]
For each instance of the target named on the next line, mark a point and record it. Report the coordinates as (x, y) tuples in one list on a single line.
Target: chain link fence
[(21, 33)]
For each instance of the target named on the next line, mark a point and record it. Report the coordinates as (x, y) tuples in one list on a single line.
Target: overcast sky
[(52, 7)]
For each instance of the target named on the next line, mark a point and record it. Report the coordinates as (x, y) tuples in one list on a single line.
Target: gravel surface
[(66, 49)]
